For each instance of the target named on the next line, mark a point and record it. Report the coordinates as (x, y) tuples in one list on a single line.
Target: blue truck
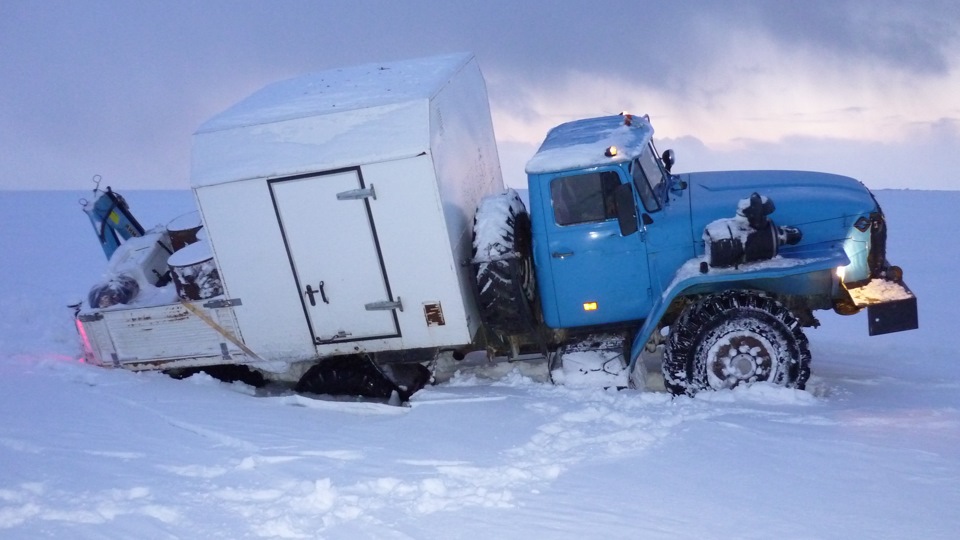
[(615, 242), (352, 229)]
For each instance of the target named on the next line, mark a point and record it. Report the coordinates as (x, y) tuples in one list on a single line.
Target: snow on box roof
[(336, 118), (341, 89), (583, 143)]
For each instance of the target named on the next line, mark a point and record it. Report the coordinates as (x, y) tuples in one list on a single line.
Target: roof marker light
[(611, 151)]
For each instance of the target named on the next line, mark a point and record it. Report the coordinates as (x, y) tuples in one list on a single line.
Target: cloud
[(925, 159), (116, 87), (912, 37), (762, 90)]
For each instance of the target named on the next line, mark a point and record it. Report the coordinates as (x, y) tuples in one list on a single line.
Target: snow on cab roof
[(339, 90), (583, 143)]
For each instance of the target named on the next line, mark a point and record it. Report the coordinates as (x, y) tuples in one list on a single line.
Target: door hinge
[(341, 334), (384, 305), (354, 194)]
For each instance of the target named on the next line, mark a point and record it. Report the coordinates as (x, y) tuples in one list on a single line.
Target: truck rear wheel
[(503, 263), (735, 337)]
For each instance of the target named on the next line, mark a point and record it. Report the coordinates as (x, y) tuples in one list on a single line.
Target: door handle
[(310, 292), (561, 254), (323, 295)]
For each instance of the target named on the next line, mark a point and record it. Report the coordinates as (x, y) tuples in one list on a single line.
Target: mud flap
[(895, 316)]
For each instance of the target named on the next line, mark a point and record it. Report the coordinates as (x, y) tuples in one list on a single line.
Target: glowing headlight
[(841, 270)]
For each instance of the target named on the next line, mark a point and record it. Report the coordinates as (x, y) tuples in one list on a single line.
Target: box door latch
[(354, 194), (385, 305)]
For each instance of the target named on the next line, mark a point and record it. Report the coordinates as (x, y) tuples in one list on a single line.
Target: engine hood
[(801, 198)]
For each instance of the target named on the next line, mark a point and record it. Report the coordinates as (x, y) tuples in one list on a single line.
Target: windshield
[(647, 178)]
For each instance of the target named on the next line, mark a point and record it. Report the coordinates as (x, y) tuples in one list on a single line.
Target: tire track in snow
[(576, 426), (567, 427), (33, 500)]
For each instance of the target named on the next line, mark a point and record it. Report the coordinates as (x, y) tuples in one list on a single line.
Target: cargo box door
[(331, 238)]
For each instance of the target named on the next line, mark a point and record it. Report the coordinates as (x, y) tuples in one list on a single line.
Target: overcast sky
[(867, 88)]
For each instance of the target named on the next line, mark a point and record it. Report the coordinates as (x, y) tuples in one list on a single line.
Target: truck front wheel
[(735, 337)]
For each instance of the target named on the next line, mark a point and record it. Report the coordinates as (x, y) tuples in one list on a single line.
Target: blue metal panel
[(112, 220), (670, 240), (588, 273), (803, 199), (801, 270)]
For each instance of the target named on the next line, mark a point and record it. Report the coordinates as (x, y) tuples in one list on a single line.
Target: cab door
[(598, 276)]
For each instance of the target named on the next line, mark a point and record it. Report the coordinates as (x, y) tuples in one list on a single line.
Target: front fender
[(690, 280)]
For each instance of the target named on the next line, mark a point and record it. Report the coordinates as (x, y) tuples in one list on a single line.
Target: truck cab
[(695, 262), (595, 266)]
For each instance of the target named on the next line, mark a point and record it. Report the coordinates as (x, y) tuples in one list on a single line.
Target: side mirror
[(626, 209), (668, 158)]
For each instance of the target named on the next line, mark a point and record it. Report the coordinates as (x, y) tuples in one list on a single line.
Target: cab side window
[(584, 198)]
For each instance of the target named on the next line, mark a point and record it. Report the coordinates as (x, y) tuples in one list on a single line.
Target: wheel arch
[(690, 283), (724, 319)]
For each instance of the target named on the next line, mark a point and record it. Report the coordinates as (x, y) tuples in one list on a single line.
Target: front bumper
[(891, 305)]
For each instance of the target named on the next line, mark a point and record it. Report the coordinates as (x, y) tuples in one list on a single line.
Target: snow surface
[(870, 450)]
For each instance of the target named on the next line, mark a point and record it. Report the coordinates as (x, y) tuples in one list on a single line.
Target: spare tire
[(503, 264)]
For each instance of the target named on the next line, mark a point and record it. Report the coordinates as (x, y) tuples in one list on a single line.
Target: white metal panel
[(323, 121), (467, 166), (331, 239), (243, 232), (310, 144), (431, 157), (159, 334), (169, 332), (409, 213)]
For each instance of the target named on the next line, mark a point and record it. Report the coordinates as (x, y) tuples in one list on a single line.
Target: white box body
[(339, 207)]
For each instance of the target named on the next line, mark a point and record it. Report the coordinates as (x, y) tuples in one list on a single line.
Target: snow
[(583, 143), (342, 89), (190, 255), (870, 450), (332, 119), (691, 268), (185, 222), (142, 257), (879, 290), (491, 230)]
